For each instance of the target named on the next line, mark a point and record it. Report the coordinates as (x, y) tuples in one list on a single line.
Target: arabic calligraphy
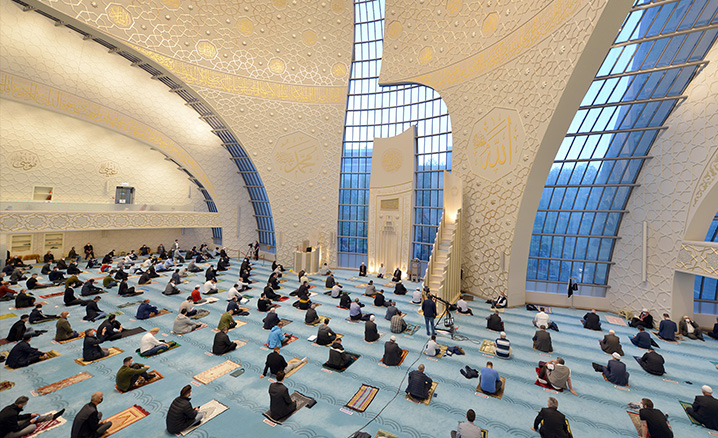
[(298, 156), (495, 143), (24, 159)]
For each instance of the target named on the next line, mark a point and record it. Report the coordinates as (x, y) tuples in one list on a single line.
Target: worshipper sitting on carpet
[(89, 288), (110, 329), (264, 304), (145, 278), (181, 415), (379, 300), (311, 317), (187, 305), (432, 348), (611, 343), (591, 320), (667, 329), (362, 270), (73, 269), (419, 384), (467, 429), (615, 371), (233, 292), (277, 338), (233, 306), (399, 288), (91, 349), (338, 358), (542, 340), (130, 373), (126, 291), (24, 299), (144, 250), (18, 275), (19, 330), (643, 339), (88, 422), (273, 281), (89, 251), (34, 283), (270, 320), (63, 329), (324, 270), (689, 328), (371, 333), (397, 275), (183, 324), (355, 313), (303, 303), (556, 374), (417, 296), (149, 345), (644, 319), (192, 267), (37, 316), (210, 274), (370, 289), (336, 290), (92, 310), (92, 263), (463, 307), (70, 299), (494, 322), (398, 325), (46, 268), (551, 423), (503, 346), (108, 282), (280, 403), (73, 281), (330, 282), (714, 333), (489, 380), (652, 362), (119, 274), (344, 300), (542, 319), (654, 423), (196, 296), (325, 335), (210, 287), (22, 354), (391, 310), (146, 310), (171, 288), (500, 302), (705, 408), (300, 274), (6, 294), (269, 293), (222, 344), (13, 424), (381, 272), (392, 353), (276, 363), (56, 276), (226, 320), (48, 257)]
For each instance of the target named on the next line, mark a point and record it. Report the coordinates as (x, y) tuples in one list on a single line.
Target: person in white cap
[(392, 353), (503, 346), (705, 408), (644, 318), (615, 371), (687, 327)]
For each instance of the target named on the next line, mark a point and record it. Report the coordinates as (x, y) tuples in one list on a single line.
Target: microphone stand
[(449, 320)]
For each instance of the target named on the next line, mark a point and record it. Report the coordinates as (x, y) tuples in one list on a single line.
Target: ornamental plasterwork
[(709, 177), (108, 168), (23, 160), (699, 258)]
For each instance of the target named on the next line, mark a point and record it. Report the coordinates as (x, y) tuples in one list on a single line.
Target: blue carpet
[(597, 411)]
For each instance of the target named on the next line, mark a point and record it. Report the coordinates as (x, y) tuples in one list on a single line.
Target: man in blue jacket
[(419, 384), (667, 329), (146, 310), (615, 371), (429, 309), (642, 338)]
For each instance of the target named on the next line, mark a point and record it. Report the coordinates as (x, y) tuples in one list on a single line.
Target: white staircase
[(443, 273)]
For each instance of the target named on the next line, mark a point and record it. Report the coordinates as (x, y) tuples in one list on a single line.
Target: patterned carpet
[(599, 410)]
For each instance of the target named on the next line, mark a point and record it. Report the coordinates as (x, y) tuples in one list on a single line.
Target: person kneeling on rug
[(467, 429), (615, 371), (88, 422), (277, 338), (281, 404), (146, 310), (652, 362), (591, 321), (489, 381), (22, 354), (654, 423), (129, 375), (419, 384), (222, 344), (63, 328), (338, 358), (183, 324), (276, 363), (392, 352), (91, 349), (556, 374), (16, 425), (643, 339), (181, 415), (149, 345), (550, 422), (705, 408)]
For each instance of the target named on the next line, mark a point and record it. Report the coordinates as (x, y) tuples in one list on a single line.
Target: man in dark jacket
[(88, 422), (611, 344), (109, 330), (338, 358), (14, 424), (89, 288), (24, 299), (181, 415), (56, 276), (667, 329), (615, 371), (652, 362), (493, 322), (591, 320), (311, 317), (392, 353), (19, 330), (222, 344), (542, 340), (91, 349), (92, 311), (270, 320), (550, 422), (419, 384), (428, 306), (23, 354), (371, 333), (71, 300), (37, 316), (705, 408), (325, 335), (399, 288), (146, 310), (642, 338), (330, 282), (281, 404)]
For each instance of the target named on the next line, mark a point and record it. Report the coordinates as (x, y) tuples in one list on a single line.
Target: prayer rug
[(676, 341), (685, 405), (544, 385), (131, 332), (339, 336), (385, 434), (56, 294), (117, 313), (216, 372), (157, 377), (361, 286), (125, 418), (352, 278), (240, 323), (442, 351), (411, 329), (353, 358), (202, 325), (636, 420), (6, 384), (50, 355), (209, 301), (201, 313), (210, 410), (172, 345), (29, 307), (363, 398), (301, 400), (498, 394), (80, 335), (114, 351), (487, 347), (390, 284), (162, 312), (428, 399), (291, 339), (282, 298), (615, 320), (294, 359), (133, 303), (47, 425), (64, 383), (46, 320), (320, 320), (284, 322), (7, 315), (381, 335)]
